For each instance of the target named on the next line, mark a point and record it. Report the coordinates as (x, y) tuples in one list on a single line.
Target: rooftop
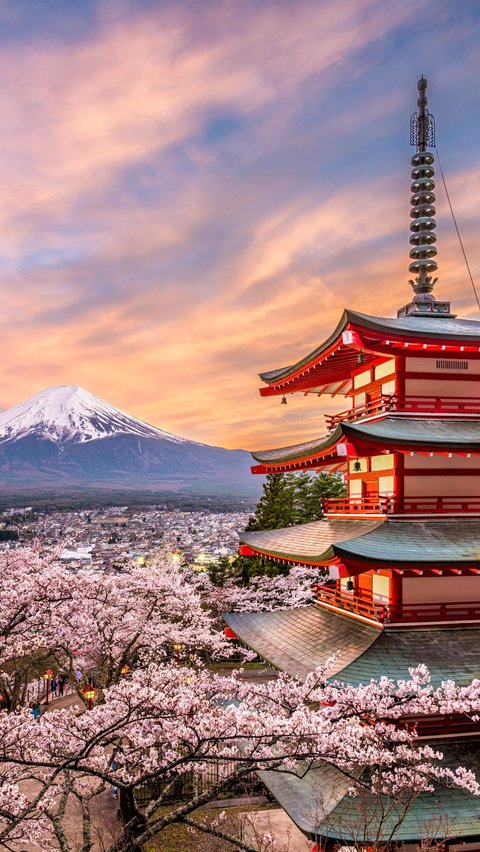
[(398, 541)]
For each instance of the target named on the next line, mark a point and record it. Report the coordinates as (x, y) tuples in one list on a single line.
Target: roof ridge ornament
[(423, 224)]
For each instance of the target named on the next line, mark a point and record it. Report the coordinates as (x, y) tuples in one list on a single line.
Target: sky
[(191, 193)]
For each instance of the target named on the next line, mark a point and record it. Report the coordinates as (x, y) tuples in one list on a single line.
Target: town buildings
[(107, 540), (403, 548)]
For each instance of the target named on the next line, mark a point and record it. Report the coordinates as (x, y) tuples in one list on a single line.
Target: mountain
[(65, 436)]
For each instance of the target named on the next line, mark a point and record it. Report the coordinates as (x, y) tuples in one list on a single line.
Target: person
[(61, 684), (54, 686), (36, 711)]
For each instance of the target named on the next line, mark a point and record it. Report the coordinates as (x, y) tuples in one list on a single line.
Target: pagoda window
[(362, 379), (355, 489), (380, 589), (385, 369), (382, 462), (388, 387), (385, 486), (442, 365)]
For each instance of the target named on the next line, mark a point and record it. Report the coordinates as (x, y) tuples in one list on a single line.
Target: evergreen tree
[(276, 507), (312, 491), (287, 499)]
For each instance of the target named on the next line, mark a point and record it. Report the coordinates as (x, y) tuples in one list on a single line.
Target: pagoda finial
[(422, 226)]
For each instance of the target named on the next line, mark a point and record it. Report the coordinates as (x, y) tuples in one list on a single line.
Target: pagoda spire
[(423, 224)]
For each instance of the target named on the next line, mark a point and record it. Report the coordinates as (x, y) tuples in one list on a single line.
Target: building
[(403, 547)]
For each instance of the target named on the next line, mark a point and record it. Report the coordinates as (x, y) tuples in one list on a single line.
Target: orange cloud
[(162, 239)]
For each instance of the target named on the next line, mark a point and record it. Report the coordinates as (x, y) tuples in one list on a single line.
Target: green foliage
[(276, 507), (221, 570), (287, 499), (311, 491), (290, 499)]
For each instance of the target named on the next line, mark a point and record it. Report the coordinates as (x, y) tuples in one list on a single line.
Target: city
[(107, 540)]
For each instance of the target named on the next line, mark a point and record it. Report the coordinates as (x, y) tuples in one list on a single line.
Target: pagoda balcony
[(416, 405), (383, 506), (401, 615)]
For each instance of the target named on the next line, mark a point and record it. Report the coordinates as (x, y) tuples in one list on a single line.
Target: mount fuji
[(65, 436)]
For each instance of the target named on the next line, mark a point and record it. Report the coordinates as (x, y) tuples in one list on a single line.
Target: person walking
[(36, 711), (61, 684), (54, 687)]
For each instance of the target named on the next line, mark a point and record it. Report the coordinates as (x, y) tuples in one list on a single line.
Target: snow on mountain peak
[(70, 413)]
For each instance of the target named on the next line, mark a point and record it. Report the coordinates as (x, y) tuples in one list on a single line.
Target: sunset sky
[(191, 192)]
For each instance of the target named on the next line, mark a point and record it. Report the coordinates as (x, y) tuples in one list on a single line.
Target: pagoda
[(402, 549)]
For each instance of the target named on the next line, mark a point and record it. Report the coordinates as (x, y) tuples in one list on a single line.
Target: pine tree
[(276, 507), (311, 493), (287, 499)]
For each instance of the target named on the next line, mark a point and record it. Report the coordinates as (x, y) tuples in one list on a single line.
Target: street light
[(124, 670), (89, 693), (177, 647), (47, 676)]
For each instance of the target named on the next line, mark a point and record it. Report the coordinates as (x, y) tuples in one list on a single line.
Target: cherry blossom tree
[(94, 624), (172, 720), (168, 721), (114, 623), (31, 588)]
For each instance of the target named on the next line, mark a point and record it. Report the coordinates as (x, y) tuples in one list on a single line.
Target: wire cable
[(456, 227)]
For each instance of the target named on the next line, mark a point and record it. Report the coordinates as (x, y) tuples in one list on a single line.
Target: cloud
[(192, 192)]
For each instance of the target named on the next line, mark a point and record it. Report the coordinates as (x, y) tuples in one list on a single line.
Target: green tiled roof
[(319, 804), (439, 541), (450, 434), (308, 542), (419, 432), (387, 541), (299, 640), (298, 450), (442, 329)]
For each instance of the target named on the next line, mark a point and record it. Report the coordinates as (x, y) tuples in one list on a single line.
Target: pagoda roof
[(312, 543), (392, 431), (299, 640), (404, 542), (329, 366), (319, 803)]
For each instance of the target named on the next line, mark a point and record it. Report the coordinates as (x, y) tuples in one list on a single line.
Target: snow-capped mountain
[(65, 436), (63, 414)]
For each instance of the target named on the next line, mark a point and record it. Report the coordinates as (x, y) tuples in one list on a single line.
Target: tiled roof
[(418, 432), (308, 542), (448, 540), (421, 432), (400, 541), (299, 450), (442, 329), (298, 640), (319, 802)]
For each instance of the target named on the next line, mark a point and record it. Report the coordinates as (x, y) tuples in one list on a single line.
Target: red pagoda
[(403, 547)]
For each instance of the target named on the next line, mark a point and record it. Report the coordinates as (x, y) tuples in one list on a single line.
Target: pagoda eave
[(360, 544), (407, 435), (376, 337)]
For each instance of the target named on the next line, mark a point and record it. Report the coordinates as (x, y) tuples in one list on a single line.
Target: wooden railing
[(378, 406), (434, 405), (386, 614), (403, 506), (350, 603)]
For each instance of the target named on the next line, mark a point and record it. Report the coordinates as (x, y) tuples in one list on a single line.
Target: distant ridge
[(67, 436)]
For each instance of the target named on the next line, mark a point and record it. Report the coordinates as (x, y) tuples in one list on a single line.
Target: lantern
[(89, 693), (47, 676)]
